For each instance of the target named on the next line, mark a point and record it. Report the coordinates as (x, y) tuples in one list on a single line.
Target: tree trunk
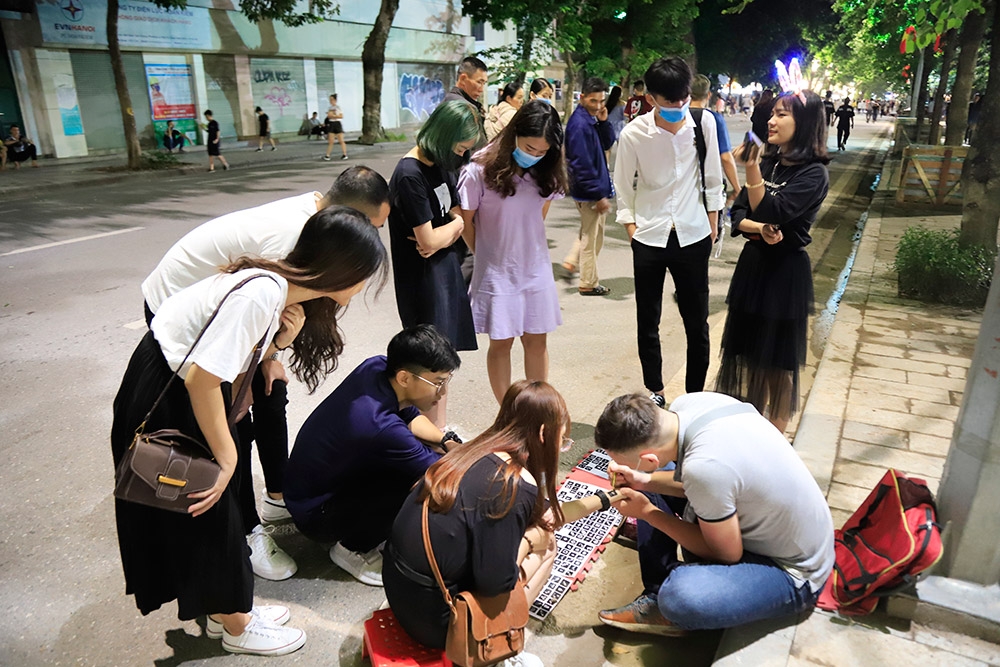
[(132, 147), (922, 91), (969, 40), (569, 83), (372, 61), (981, 174), (527, 44), (950, 38)]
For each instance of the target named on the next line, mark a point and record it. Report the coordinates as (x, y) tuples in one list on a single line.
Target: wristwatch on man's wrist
[(450, 435)]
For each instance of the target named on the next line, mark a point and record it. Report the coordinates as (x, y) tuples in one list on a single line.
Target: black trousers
[(267, 425), (688, 267), (843, 134)]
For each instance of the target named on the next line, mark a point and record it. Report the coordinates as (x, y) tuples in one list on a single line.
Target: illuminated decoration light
[(790, 78)]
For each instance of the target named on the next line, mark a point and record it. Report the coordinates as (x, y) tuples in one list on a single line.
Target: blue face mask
[(525, 161), (672, 115), (544, 99)]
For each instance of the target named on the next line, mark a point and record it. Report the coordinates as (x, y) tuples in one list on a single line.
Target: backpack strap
[(699, 141)]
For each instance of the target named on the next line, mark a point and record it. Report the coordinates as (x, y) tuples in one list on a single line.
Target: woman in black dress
[(424, 224), (488, 522), (771, 294), (201, 559)]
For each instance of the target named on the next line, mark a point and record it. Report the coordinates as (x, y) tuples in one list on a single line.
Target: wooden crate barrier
[(931, 175)]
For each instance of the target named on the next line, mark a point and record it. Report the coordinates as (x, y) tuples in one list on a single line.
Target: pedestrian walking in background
[(270, 231), (425, 223), (671, 215), (263, 130), (616, 110), (334, 128), (588, 136), (487, 522), (200, 559), (701, 91), (510, 100), (506, 191), (214, 145), (845, 123), (974, 108), (541, 89), (761, 113), (637, 104), (828, 107), (174, 138), (771, 293)]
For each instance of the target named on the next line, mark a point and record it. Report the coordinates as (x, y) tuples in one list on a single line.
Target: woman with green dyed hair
[(425, 223)]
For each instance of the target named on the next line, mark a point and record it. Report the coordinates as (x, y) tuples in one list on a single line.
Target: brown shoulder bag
[(482, 630), (161, 468)]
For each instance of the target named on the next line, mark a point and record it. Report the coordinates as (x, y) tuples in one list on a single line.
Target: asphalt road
[(73, 259)]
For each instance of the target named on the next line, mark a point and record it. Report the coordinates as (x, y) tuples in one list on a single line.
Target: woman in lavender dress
[(505, 193)]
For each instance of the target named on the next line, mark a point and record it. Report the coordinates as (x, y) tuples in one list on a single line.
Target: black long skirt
[(202, 562), (770, 299)]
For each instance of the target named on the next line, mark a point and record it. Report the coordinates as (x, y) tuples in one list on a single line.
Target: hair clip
[(791, 79)]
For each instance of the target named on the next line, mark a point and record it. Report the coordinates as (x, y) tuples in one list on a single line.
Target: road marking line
[(138, 324), (82, 238)]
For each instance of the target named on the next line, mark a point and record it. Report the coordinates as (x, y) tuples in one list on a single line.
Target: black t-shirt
[(418, 193), (829, 107), (845, 116), (474, 551), (213, 130), (793, 195), (262, 119)]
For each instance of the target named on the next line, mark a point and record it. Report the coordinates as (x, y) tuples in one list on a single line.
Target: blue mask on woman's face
[(544, 99), (674, 115), (523, 160)]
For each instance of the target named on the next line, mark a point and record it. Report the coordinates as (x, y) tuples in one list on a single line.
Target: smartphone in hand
[(751, 148)]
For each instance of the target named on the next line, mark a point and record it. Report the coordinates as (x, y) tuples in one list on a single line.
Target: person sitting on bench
[(362, 449), (19, 148)]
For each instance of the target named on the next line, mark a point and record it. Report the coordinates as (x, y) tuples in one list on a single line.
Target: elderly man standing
[(588, 135), (472, 80)]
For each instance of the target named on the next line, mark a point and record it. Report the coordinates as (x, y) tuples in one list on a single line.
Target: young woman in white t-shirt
[(201, 559)]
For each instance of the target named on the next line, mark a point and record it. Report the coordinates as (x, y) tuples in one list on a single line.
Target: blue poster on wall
[(69, 108)]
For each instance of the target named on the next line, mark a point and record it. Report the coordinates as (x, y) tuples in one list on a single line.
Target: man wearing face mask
[(669, 209)]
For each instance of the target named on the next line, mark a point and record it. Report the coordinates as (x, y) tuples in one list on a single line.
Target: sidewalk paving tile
[(874, 434), (827, 640), (929, 444), (852, 473), (896, 361), (879, 373), (939, 410), (939, 358), (872, 399), (846, 497), (895, 388), (910, 462), (925, 380), (903, 421)]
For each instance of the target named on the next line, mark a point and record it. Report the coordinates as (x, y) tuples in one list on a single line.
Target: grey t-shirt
[(742, 465)]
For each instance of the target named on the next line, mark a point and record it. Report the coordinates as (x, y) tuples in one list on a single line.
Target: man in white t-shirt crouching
[(269, 231), (755, 529)]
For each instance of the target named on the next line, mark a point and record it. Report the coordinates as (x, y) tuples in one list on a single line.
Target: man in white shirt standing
[(669, 206)]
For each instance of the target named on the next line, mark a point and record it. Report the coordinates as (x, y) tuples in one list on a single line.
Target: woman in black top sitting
[(771, 293), (489, 522)]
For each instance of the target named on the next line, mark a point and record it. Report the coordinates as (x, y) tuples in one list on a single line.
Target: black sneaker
[(660, 401), (259, 150)]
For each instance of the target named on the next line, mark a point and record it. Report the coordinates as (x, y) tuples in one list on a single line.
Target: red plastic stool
[(387, 645)]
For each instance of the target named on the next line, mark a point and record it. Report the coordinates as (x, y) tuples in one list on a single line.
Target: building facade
[(56, 80)]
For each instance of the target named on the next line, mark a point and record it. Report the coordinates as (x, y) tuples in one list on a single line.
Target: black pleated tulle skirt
[(202, 562), (770, 300)]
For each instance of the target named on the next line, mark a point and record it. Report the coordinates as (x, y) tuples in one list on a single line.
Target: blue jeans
[(702, 596)]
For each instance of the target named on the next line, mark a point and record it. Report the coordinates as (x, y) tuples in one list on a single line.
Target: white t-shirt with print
[(246, 316), (269, 231)]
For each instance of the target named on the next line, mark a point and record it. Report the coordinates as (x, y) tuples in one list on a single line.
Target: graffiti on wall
[(419, 95)]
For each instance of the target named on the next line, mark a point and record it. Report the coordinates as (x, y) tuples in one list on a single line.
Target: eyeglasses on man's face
[(440, 386)]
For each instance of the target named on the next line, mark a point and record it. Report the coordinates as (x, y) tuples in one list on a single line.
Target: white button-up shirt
[(658, 181)]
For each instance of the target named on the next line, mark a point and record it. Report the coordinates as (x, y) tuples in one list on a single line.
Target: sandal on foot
[(600, 290)]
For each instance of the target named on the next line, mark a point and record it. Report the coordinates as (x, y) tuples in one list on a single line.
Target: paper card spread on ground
[(579, 543)]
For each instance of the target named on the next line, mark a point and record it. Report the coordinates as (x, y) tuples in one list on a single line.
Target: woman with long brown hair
[(489, 523), (201, 559)]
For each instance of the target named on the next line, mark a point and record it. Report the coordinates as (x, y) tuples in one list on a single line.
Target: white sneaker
[(263, 638), (272, 510), (522, 659), (275, 614), (267, 558), (366, 568)]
